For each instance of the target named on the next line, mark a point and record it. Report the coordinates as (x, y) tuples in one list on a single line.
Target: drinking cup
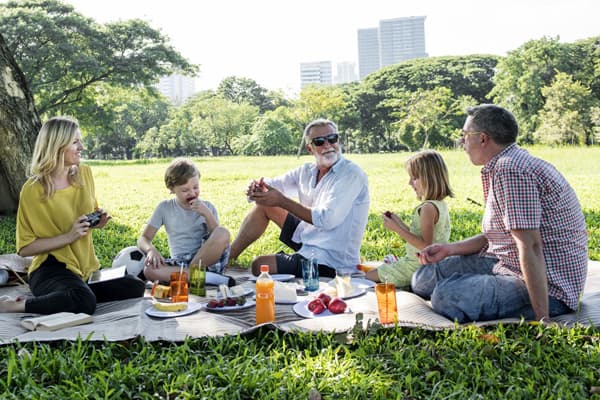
[(198, 280), (178, 287), (310, 274), (343, 281), (386, 302)]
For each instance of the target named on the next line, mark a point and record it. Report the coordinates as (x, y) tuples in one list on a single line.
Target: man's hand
[(267, 196), (433, 253)]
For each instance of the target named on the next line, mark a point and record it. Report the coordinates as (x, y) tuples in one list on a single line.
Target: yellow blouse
[(44, 218)]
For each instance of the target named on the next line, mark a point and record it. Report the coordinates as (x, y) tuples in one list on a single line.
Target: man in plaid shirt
[(531, 259)]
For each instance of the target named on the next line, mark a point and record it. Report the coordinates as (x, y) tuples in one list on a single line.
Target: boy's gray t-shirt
[(186, 229)]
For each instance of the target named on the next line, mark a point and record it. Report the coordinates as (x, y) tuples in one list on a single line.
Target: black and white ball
[(133, 258)]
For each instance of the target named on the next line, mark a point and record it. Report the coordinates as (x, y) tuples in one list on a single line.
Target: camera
[(94, 218)]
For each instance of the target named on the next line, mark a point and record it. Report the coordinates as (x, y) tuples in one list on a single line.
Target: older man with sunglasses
[(328, 219)]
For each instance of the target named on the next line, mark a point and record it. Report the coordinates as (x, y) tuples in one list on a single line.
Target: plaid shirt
[(524, 192)]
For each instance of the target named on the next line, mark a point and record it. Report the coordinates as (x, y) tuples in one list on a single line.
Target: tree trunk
[(19, 125)]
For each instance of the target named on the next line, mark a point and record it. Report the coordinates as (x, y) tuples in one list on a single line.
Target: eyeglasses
[(320, 141), (467, 133)]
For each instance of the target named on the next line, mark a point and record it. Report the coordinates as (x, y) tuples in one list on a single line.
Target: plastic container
[(265, 297)]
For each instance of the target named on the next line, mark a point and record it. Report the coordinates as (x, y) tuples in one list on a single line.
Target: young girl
[(430, 221), (192, 226), (52, 226)]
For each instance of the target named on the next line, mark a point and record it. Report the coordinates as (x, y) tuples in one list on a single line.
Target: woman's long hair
[(49, 152)]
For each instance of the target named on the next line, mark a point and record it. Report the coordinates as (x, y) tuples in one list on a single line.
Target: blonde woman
[(428, 176), (53, 228)]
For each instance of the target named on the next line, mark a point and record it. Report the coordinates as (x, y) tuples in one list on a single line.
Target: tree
[(427, 118), (19, 123), (245, 90), (521, 77), (566, 117), (63, 54), (273, 133)]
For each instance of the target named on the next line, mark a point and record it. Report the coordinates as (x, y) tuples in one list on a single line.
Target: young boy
[(192, 226)]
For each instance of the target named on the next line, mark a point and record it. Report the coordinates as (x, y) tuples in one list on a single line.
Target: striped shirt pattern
[(524, 192)]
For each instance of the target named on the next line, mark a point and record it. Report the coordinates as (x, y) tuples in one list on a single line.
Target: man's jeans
[(464, 289)]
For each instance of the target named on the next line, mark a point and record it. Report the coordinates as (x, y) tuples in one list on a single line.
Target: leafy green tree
[(245, 90), (470, 76), (122, 118), (63, 54), (427, 118), (566, 116), (275, 132), (521, 77)]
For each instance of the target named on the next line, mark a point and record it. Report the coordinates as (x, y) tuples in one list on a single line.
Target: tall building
[(394, 41), (346, 72), (368, 51), (177, 88), (318, 72)]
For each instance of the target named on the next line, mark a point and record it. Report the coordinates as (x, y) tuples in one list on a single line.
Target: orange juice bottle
[(265, 296)]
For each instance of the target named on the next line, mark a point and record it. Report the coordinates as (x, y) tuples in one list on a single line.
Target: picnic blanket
[(122, 320)]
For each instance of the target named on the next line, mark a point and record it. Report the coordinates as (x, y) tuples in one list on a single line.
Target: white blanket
[(127, 319)]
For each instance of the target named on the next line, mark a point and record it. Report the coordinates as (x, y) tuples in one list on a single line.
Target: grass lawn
[(516, 361)]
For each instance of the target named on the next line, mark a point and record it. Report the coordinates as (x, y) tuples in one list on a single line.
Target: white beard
[(328, 159)]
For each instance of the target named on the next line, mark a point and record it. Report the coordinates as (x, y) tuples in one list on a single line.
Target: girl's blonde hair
[(49, 152), (179, 172), (430, 168)]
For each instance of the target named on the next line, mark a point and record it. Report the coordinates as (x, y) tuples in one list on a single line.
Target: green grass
[(515, 361)]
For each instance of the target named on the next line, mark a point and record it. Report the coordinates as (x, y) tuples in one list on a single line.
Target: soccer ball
[(133, 258)]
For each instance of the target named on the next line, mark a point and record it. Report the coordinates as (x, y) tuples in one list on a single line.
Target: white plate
[(298, 298), (191, 308), (301, 308), (248, 304), (277, 277), (358, 282)]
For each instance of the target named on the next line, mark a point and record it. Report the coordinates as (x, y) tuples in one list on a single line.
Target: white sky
[(266, 40)]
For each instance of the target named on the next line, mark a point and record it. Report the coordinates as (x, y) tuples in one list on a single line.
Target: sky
[(266, 40)]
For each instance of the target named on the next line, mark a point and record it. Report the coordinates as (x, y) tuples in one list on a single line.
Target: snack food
[(170, 306), (161, 291)]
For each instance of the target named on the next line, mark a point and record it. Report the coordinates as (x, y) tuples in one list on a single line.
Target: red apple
[(337, 305), (316, 306), (325, 298)]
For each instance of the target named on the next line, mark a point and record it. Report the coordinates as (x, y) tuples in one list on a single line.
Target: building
[(368, 51), (177, 88), (394, 41), (346, 72), (318, 73)]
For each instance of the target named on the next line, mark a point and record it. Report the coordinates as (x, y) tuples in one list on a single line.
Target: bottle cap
[(264, 268)]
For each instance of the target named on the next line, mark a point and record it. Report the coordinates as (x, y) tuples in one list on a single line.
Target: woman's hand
[(104, 218), (80, 228)]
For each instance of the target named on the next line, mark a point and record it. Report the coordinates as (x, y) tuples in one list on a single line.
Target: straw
[(180, 278)]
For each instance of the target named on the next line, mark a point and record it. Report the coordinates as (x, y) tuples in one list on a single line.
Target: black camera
[(94, 218)]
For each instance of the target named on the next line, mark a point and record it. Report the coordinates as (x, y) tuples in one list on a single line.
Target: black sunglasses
[(320, 141)]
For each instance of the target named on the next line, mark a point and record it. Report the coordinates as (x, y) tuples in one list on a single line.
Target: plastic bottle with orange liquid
[(265, 296)]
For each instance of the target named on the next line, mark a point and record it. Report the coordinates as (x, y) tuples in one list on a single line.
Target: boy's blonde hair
[(179, 172), (49, 152), (430, 168)]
